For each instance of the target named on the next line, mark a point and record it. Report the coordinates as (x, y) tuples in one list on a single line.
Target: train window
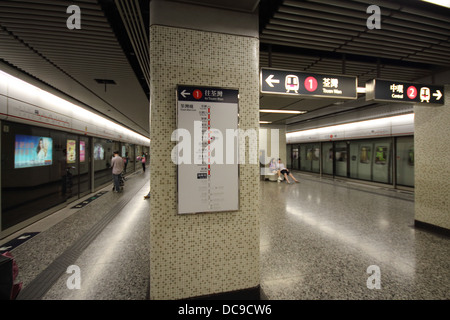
[(365, 155), (411, 156), (309, 154), (316, 154), (295, 154), (103, 153), (341, 154), (381, 155), (405, 161)]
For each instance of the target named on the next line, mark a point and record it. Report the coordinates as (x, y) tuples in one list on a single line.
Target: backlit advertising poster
[(33, 151), (71, 151), (82, 151), (99, 152)]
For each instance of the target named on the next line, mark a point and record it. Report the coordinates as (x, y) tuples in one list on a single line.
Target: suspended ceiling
[(34, 38), (320, 36), (332, 37)]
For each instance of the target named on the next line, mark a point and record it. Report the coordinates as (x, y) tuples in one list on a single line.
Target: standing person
[(282, 170), (143, 160), (117, 165)]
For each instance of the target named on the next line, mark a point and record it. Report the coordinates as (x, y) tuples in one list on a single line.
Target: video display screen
[(33, 151)]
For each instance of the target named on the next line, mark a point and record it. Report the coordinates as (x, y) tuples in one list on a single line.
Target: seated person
[(282, 170)]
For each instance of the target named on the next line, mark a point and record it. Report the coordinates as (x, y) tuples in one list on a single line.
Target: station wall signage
[(395, 91), (305, 84), (206, 181)]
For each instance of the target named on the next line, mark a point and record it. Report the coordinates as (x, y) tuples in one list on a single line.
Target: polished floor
[(108, 240), (320, 240)]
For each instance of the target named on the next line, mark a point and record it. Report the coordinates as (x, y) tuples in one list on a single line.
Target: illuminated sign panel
[(306, 84), (395, 91), (33, 151)]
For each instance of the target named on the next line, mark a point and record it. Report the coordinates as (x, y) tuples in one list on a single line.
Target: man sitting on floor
[(282, 170)]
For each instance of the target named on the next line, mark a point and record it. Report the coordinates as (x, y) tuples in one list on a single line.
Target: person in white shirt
[(282, 170), (117, 166)]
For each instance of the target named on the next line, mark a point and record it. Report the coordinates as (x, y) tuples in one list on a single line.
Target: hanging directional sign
[(308, 84), (395, 91)]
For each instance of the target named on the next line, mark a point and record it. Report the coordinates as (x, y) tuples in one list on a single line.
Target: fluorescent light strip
[(444, 3), (66, 106), (265, 122), (282, 111), (394, 120)]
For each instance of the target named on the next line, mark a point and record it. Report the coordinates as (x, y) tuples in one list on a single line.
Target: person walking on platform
[(117, 166)]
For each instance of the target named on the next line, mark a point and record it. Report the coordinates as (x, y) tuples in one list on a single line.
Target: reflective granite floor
[(323, 239), (318, 240), (107, 240)]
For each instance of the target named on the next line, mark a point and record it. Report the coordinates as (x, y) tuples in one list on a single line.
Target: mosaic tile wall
[(432, 161), (196, 255)]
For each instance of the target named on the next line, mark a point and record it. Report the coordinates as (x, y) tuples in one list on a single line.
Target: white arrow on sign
[(270, 80), (438, 94), (5, 248), (185, 94), (23, 237)]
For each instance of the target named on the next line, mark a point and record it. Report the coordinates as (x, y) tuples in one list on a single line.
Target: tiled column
[(432, 164), (265, 136), (205, 254)]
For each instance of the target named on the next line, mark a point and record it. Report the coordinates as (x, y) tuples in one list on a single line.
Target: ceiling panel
[(319, 36), (35, 39), (331, 36)]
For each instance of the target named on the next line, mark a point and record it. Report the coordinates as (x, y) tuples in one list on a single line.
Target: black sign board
[(395, 91), (307, 84), (207, 94)]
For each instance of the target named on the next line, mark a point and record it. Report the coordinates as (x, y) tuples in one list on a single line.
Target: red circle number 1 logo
[(311, 84), (198, 94), (412, 92)]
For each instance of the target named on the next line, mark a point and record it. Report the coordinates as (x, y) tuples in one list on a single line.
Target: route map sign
[(395, 91), (206, 182), (305, 84)]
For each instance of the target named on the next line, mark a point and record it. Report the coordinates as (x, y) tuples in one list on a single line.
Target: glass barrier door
[(341, 156), (84, 159), (71, 171), (327, 158), (405, 161)]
